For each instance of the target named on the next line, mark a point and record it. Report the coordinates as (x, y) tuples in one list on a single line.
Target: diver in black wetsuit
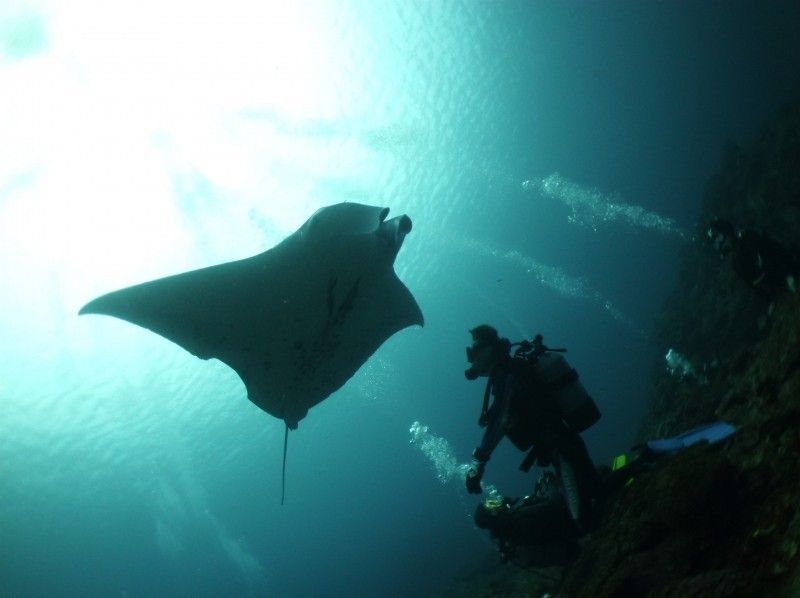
[(763, 263), (540, 405), (535, 531)]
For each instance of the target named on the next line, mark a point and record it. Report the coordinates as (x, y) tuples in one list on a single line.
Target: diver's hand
[(474, 475)]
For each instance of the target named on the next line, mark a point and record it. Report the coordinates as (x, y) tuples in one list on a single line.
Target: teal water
[(551, 155)]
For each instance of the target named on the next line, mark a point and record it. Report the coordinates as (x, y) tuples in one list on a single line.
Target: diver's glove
[(475, 473)]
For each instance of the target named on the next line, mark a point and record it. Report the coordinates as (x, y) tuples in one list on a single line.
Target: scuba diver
[(535, 531), (541, 406), (538, 530), (763, 263)]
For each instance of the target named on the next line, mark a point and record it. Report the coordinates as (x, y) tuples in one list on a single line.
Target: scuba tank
[(561, 382)]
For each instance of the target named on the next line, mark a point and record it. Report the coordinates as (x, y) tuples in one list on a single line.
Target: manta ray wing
[(295, 322)]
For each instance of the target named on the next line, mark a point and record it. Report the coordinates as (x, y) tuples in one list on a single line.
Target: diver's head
[(494, 513), (487, 350), (720, 234)]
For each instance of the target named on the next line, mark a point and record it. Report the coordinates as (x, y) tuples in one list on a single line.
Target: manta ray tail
[(283, 473)]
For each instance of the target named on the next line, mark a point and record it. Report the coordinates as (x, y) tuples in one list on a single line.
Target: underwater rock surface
[(714, 520)]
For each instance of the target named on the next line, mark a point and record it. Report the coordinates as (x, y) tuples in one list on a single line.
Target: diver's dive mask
[(483, 349), (470, 354), (476, 356), (471, 372)]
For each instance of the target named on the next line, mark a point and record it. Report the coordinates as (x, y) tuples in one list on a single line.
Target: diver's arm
[(498, 416)]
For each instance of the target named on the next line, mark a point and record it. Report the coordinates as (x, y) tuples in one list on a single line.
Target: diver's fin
[(569, 485), (711, 433), (646, 456)]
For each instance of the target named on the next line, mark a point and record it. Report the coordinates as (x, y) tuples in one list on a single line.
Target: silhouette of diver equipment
[(578, 409), (556, 380), (626, 466), (535, 531)]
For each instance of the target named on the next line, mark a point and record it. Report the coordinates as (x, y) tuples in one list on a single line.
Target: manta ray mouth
[(393, 231), (403, 226)]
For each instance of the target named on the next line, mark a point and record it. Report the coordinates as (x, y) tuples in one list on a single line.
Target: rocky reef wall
[(719, 520)]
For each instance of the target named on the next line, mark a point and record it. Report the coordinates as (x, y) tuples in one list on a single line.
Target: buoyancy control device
[(578, 409), (559, 380)]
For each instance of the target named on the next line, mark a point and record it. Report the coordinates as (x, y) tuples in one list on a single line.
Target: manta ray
[(294, 322)]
